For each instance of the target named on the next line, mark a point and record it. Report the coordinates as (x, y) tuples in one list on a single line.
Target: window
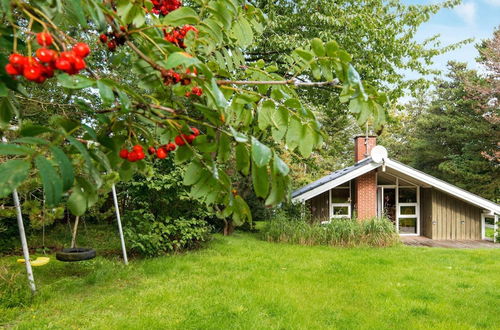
[(407, 195), (408, 213), (341, 202)]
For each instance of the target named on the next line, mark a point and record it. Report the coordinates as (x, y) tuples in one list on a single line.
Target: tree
[(450, 136), (187, 75)]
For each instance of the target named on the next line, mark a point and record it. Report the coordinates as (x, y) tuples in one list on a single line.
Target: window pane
[(407, 210), (340, 195), (341, 210), (407, 195), (408, 225)]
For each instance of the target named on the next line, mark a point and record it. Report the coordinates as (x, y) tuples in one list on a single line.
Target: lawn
[(243, 282)]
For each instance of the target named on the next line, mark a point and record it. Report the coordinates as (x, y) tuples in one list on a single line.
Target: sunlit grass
[(243, 282)]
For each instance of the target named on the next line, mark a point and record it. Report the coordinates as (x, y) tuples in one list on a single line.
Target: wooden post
[(26, 253)]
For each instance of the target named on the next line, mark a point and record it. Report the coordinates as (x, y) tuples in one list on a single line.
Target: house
[(417, 203)]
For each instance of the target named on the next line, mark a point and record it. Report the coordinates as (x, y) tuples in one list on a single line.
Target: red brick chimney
[(365, 186)]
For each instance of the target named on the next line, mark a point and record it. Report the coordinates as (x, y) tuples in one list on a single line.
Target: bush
[(340, 232), (151, 236)]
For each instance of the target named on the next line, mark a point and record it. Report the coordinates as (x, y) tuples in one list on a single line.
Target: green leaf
[(183, 154), (194, 172), (316, 71), (77, 202), (74, 81), (331, 48), (260, 180), (279, 166), (265, 113), (181, 16), (278, 191), (106, 93), (261, 154), (317, 47), (242, 208), (242, 159), (65, 167), (224, 151), (307, 141), (293, 134), (52, 184), (180, 59), (33, 130), (6, 111), (238, 136), (306, 55), (14, 149), (13, 173)]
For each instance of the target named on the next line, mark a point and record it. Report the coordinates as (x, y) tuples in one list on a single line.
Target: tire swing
[(74, 253)]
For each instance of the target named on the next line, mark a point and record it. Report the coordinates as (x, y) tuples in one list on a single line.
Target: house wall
[(319, 206), (426, 212), (454, 219)]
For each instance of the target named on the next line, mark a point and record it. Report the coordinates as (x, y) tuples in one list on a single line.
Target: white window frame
[(403, 216), (333, 205)]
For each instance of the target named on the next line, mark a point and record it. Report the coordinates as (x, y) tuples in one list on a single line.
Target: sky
[(471, 19)]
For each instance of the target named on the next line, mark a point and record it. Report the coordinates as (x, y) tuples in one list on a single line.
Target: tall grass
[(340, 232)]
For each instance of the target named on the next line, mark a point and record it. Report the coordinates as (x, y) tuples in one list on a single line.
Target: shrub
[(340, 232), (151, 235)]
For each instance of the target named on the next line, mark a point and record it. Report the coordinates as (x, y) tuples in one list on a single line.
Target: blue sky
[(471, 19)]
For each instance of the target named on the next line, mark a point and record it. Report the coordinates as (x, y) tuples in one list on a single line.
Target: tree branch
[(294, 82)]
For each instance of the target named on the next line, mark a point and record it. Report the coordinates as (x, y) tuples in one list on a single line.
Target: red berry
[(40, 79), (195, 131), (81, 49), (122, 28), (190, 138), (32, 72), (151, 150), (17, 60), (132, 156), (137, 147), (48, 71), (124, 153), (140, 154), (63, 64), (111, 45), (79, 64), (45, 55), (171, 146), (161, 153), (103, 38), (11, 69), (44, 39), (69, 55), (179, 140)]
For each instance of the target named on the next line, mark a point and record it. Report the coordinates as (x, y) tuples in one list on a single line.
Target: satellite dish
[(378, 154)]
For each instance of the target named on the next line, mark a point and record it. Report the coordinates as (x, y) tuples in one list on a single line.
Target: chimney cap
[(364, 136)]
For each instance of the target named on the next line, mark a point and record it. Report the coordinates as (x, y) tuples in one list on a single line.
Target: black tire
[(75, 254)]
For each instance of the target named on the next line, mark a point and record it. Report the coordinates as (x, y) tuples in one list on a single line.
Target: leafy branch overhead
[(154, 79)]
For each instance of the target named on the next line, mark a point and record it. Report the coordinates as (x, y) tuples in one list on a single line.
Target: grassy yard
[(243, 282)]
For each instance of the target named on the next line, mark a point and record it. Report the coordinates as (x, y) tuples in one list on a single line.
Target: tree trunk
[(228, 227)]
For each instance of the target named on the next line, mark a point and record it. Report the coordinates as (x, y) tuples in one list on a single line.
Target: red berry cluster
[(113, 39), (170, 77), (194, 91), (181, 140), (136, 154), (177, 35), (41, 67), (163, 7), (162, 152)]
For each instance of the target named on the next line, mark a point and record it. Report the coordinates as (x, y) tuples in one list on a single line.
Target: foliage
[(241, 280), (339, 232), (246, 108), (152, 235)]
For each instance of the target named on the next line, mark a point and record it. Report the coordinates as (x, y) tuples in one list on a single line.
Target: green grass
[(243, 282)]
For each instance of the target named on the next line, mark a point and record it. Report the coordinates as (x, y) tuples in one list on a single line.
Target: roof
[(364, 166), (330, 177)]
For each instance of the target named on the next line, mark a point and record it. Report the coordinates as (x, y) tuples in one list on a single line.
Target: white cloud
[(493, 2), (467, 12)]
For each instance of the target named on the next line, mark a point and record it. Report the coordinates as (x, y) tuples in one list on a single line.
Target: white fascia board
[(338, 181), (444, 186)]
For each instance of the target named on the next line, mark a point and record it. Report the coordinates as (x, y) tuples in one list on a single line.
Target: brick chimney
[(363, 146), (365, 186)]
